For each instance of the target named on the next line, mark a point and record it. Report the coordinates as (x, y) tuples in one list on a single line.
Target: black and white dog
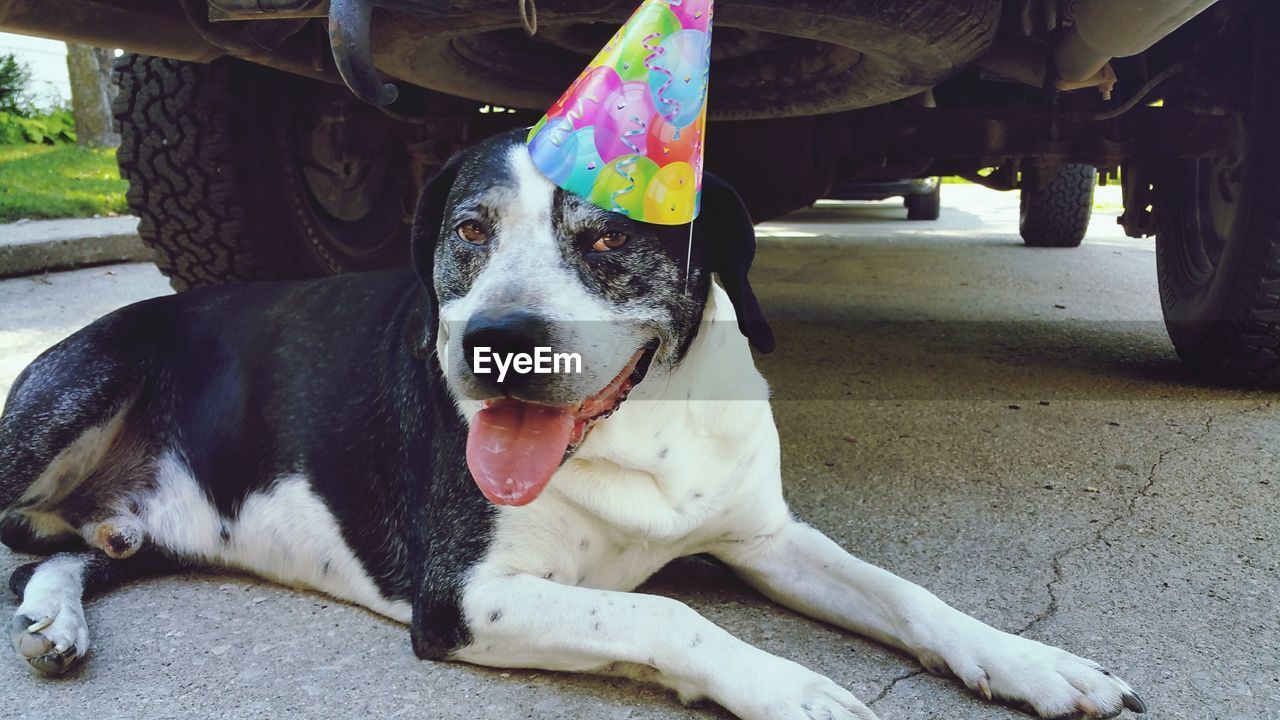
[(332, 434)]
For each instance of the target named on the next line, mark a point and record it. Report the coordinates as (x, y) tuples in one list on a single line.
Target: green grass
[(1098, 203), (59, 181)]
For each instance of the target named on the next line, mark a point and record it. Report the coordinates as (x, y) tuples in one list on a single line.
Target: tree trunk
[(91, 95)]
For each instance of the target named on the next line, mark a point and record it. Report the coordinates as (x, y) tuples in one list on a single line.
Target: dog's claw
[(1133, 702), (36, 627), (55, 662), (984, 687)]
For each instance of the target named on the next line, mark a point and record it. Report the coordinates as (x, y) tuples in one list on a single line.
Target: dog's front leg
[(801, 568), (521, 621)]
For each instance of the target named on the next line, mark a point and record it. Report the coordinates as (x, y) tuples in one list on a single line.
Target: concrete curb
[(36, 246)]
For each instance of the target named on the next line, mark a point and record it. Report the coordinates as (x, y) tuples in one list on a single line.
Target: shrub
[(51, 128), (20, 120)]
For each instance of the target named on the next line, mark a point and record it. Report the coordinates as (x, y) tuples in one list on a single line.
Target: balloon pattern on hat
[(629, 133)]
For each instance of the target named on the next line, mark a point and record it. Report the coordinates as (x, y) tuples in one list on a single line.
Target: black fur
[(20, 577), (726, 238), (101, 573)]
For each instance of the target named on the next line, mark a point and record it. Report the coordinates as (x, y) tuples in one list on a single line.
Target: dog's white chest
[(557, 540), (611, 522)]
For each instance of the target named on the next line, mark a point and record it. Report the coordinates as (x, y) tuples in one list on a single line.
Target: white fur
[(284, 533), (801, 568), (524, 621), (52, 600)]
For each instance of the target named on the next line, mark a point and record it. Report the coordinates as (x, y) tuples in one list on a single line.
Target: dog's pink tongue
[(514, 447)]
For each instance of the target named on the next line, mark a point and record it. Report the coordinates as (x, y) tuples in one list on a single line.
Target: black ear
[(726, 239), (428, 218)]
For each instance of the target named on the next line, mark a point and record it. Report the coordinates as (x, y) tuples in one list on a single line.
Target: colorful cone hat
[(628, 134)]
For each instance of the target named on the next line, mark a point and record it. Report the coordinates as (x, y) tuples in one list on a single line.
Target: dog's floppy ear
[(726, 240), (429, 216), (427, 219)]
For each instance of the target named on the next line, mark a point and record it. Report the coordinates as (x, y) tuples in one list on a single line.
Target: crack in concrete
[(892, 684), (1129, 511)]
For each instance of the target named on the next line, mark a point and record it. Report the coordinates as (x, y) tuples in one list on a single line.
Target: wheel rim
[(1219, 189), (343, 171)]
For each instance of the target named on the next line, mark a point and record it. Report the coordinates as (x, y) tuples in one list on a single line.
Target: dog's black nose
[(490, 335)]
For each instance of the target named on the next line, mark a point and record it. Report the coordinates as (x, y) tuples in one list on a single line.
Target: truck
[(289, 138)]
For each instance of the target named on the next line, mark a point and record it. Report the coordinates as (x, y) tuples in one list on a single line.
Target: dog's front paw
[(787, 691), (1045, 680)]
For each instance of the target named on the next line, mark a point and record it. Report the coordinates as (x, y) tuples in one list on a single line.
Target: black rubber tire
[(925, 207), (1223, 314), (215, 187), (1057, 214)]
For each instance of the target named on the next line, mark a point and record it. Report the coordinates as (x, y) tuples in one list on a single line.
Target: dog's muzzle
[(514, 446)]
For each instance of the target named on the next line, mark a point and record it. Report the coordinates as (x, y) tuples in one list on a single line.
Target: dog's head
[(522, 276)]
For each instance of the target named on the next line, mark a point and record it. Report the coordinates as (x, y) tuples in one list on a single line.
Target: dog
[(341, 435)]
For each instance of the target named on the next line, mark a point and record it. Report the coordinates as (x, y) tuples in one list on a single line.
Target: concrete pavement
[(35, 246), (1006, 426)]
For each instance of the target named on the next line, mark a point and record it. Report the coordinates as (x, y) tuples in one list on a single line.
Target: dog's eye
[(609, 241), (472, 232)]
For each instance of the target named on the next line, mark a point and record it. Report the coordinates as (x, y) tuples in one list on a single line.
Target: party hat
[(628, 134)]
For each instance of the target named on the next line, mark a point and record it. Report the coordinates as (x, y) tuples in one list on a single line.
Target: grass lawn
[(58, 181), (1100, 202)]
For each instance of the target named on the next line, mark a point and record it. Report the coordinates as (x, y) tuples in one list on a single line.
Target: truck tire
[(1057, 213), (925, 207), (1218, 239), (228, 186)]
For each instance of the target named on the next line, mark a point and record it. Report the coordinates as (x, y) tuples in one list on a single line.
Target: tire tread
[(1057, 215), (173, 121)]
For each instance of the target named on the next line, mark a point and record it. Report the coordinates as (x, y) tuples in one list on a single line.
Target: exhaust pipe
[(1106, 29)]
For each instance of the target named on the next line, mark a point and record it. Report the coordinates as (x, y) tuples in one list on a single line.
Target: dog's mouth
[(514, 447)]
